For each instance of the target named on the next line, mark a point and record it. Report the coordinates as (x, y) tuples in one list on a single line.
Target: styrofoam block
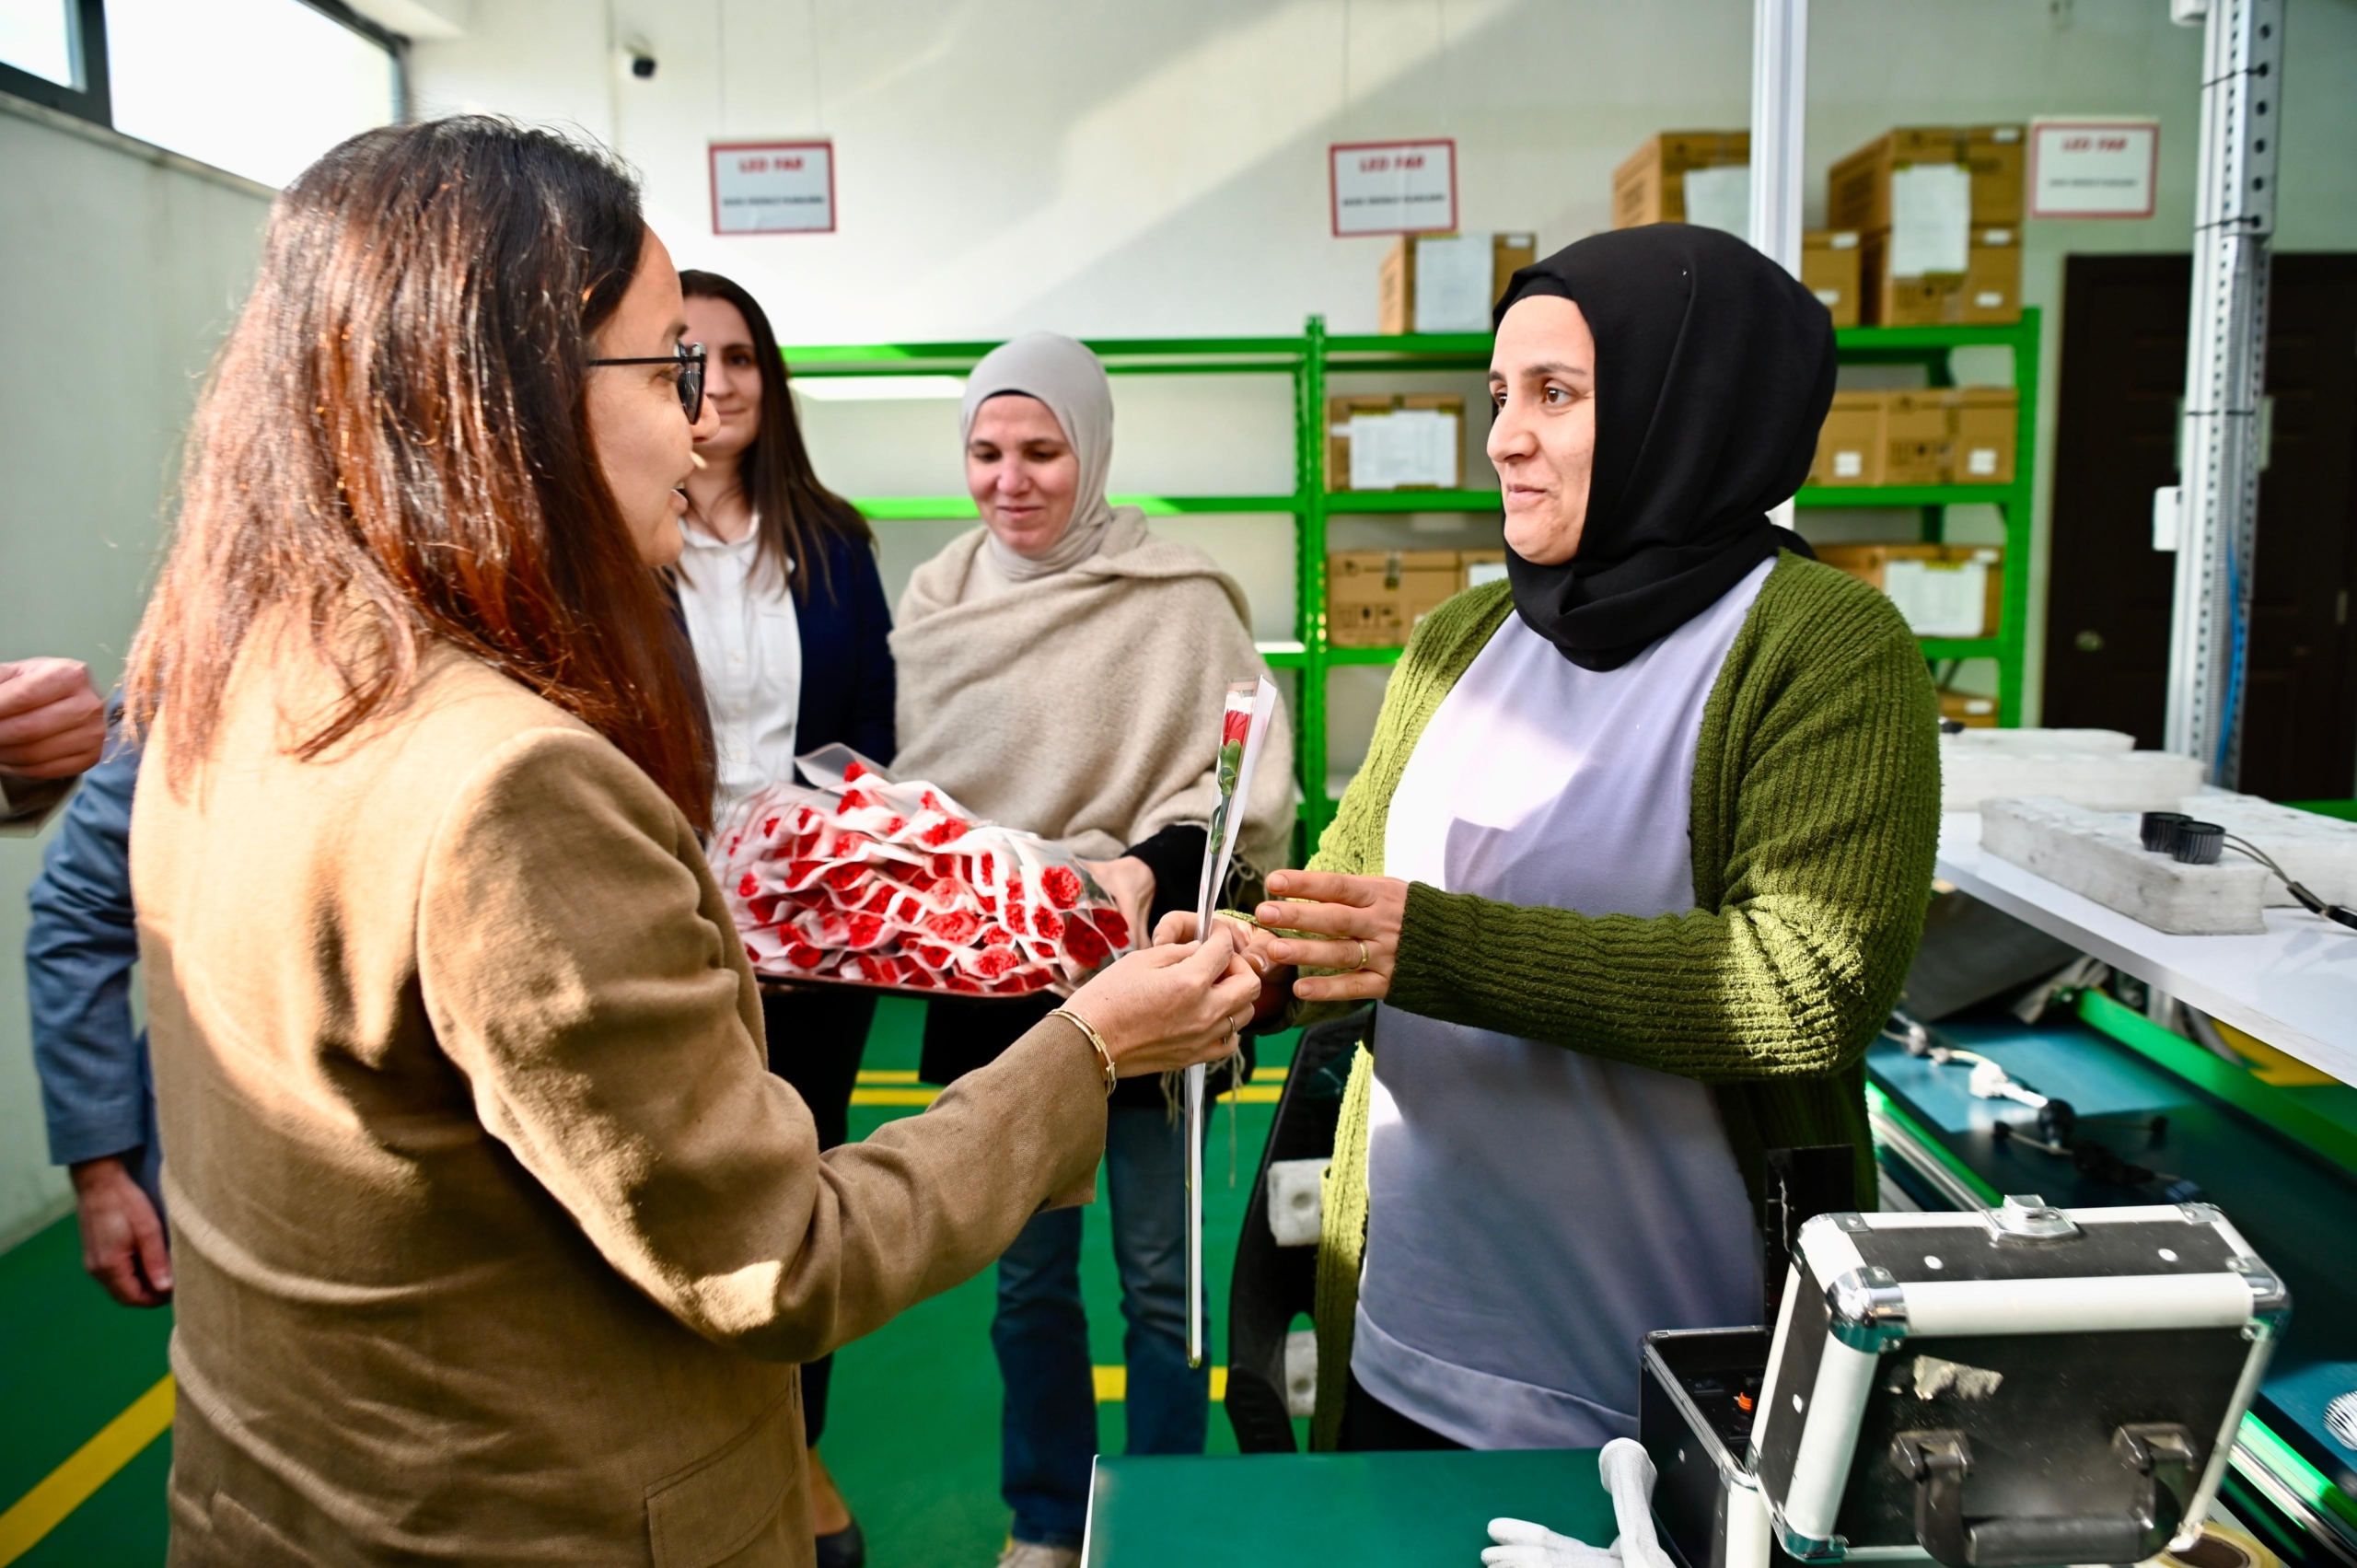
[(2042, 742), (1294, 1201), (1301, 1372), (2101, 781), (2321, 851), (2099, 855)]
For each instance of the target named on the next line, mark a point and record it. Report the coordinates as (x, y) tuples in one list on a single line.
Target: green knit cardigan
[(1815, 819)]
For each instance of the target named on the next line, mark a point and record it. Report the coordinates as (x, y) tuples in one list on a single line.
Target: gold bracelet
[(1112, 1077)]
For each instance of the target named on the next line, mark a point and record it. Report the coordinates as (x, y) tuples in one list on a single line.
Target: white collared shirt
[(748, 652)]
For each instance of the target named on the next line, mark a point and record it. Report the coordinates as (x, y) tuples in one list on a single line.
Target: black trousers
[(816, 1035), (1369, 1425)]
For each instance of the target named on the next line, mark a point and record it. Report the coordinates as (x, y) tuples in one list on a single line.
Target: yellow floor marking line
[(911, 1095), (1113, 1384), (69, 1486), (888, 1075)]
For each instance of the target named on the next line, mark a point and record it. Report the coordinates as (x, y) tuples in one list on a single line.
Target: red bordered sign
[(1393, 187), (772, 188), (2093, 168)]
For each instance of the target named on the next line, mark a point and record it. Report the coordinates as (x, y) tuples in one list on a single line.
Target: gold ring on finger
[(1363, 956)]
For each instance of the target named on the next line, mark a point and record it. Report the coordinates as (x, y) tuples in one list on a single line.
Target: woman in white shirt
[(778, 588)]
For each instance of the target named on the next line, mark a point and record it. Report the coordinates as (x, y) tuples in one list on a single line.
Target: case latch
[(2028, 1217)]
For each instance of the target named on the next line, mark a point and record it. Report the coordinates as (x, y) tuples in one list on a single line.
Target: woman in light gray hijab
[(1063, 670)]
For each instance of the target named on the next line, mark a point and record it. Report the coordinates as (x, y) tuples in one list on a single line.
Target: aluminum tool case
[(1993, 1388)]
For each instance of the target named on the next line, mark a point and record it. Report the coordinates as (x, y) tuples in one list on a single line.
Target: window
[(53, 52), (260, 87)]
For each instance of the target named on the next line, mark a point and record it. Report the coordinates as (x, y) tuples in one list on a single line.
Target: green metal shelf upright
[(1312, 357)]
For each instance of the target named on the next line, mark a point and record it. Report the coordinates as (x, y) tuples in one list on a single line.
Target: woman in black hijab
[(1635, 869)]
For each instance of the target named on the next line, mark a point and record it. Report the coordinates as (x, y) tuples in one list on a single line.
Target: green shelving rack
[(1310, 358)]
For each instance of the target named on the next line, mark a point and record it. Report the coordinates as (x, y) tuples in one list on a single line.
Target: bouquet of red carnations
[(866, 879)]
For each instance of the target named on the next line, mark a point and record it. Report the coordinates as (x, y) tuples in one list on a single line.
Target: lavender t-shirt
[(1534, 1211)]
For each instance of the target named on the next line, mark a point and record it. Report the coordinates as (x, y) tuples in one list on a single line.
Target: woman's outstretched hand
[(1172, 1006), (1353, 926)]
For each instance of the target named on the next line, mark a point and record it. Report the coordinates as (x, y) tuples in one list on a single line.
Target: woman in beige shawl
[(1063, 671)]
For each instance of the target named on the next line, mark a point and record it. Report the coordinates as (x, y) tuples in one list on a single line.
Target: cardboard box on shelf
[(1989, 289), (1943, 590), (1373, 597), (1983, 426), (1848, 446), (1970, 710), (1915, 438), (1860, 191), (1407, 441), (1475, 567), (1448, 283), (1829, 261), (1650, 187)]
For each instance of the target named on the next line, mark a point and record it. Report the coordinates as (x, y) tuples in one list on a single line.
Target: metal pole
[(2210, 516), (1779, 98)]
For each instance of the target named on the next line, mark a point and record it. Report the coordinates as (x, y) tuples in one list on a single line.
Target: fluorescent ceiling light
[(879, 389)]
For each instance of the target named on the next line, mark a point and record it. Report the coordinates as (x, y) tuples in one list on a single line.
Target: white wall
[(120, 265), (1121, 169)]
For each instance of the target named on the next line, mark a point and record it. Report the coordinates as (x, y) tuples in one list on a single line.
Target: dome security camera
[(642, 58)]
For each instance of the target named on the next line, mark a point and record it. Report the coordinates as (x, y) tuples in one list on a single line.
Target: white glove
[(1627, 1476), (1525, 1545)]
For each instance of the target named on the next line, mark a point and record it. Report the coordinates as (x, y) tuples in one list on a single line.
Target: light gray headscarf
[(1063, 374)]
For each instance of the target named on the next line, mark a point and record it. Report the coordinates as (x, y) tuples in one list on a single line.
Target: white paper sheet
[(1931, 218), (1939, 601), (1452, 283), (1720, 198), (1406, 447)]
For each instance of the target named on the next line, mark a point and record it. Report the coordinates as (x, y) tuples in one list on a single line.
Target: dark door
[(2108, 605)]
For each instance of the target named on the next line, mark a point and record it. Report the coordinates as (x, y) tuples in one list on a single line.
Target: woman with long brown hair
[(778, 586), (493, 1241)]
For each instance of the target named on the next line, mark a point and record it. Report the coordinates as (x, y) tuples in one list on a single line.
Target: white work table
[(2294, 988)]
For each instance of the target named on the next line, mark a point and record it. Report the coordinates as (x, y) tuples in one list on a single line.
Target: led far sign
[(772, 188)]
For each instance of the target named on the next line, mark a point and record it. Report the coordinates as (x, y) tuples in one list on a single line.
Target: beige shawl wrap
[(1084, 705)]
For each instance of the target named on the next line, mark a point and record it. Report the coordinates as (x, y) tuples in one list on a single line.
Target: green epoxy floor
[(912, 1423)]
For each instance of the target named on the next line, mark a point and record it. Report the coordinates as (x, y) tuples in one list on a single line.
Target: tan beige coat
[(496, 1242)]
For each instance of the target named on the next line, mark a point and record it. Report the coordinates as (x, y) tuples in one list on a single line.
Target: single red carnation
[(1234, 725), (1047, 922), (844, 878), (1061, 883), (943, 831), (802, 955), (995, 961), (1115, 929), (747, 886), (953, 926), (865, 930), (1083, 941), (996, 936), (1014, 916), (768, 828), (853, 770)]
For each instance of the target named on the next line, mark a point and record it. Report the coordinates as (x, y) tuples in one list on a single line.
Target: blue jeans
[(1047, 1427)]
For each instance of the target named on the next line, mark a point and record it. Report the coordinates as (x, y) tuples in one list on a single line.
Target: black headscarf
[(1713, 370)]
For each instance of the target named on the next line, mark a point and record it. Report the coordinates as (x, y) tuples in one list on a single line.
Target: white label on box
[(1406, 447), (1829, 298), (1988, 299), (2093, 168), (1720, 198), (1480, 571), (1452, 283), (772, 188), (1931, 218), (1849, 465), (1843, 240), (1937, 599), (1981, 459), (1393, 187)]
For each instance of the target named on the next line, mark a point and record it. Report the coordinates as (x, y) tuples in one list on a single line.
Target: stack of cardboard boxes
[(1940, 436), (1939, 208), (1704, 177), (1373, 597), (1943, 590)]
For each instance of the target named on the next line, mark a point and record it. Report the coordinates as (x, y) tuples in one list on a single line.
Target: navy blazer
[(79, 948), (848, 683)]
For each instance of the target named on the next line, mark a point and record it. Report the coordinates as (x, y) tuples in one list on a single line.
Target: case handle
[(1939, 1461)]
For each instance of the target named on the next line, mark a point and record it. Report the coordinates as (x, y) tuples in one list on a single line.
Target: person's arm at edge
[(1825, 898), (46, 744), (615, 1060), (80, 945)]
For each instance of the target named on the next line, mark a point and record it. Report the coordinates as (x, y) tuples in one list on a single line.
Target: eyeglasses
[(690, 359)]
